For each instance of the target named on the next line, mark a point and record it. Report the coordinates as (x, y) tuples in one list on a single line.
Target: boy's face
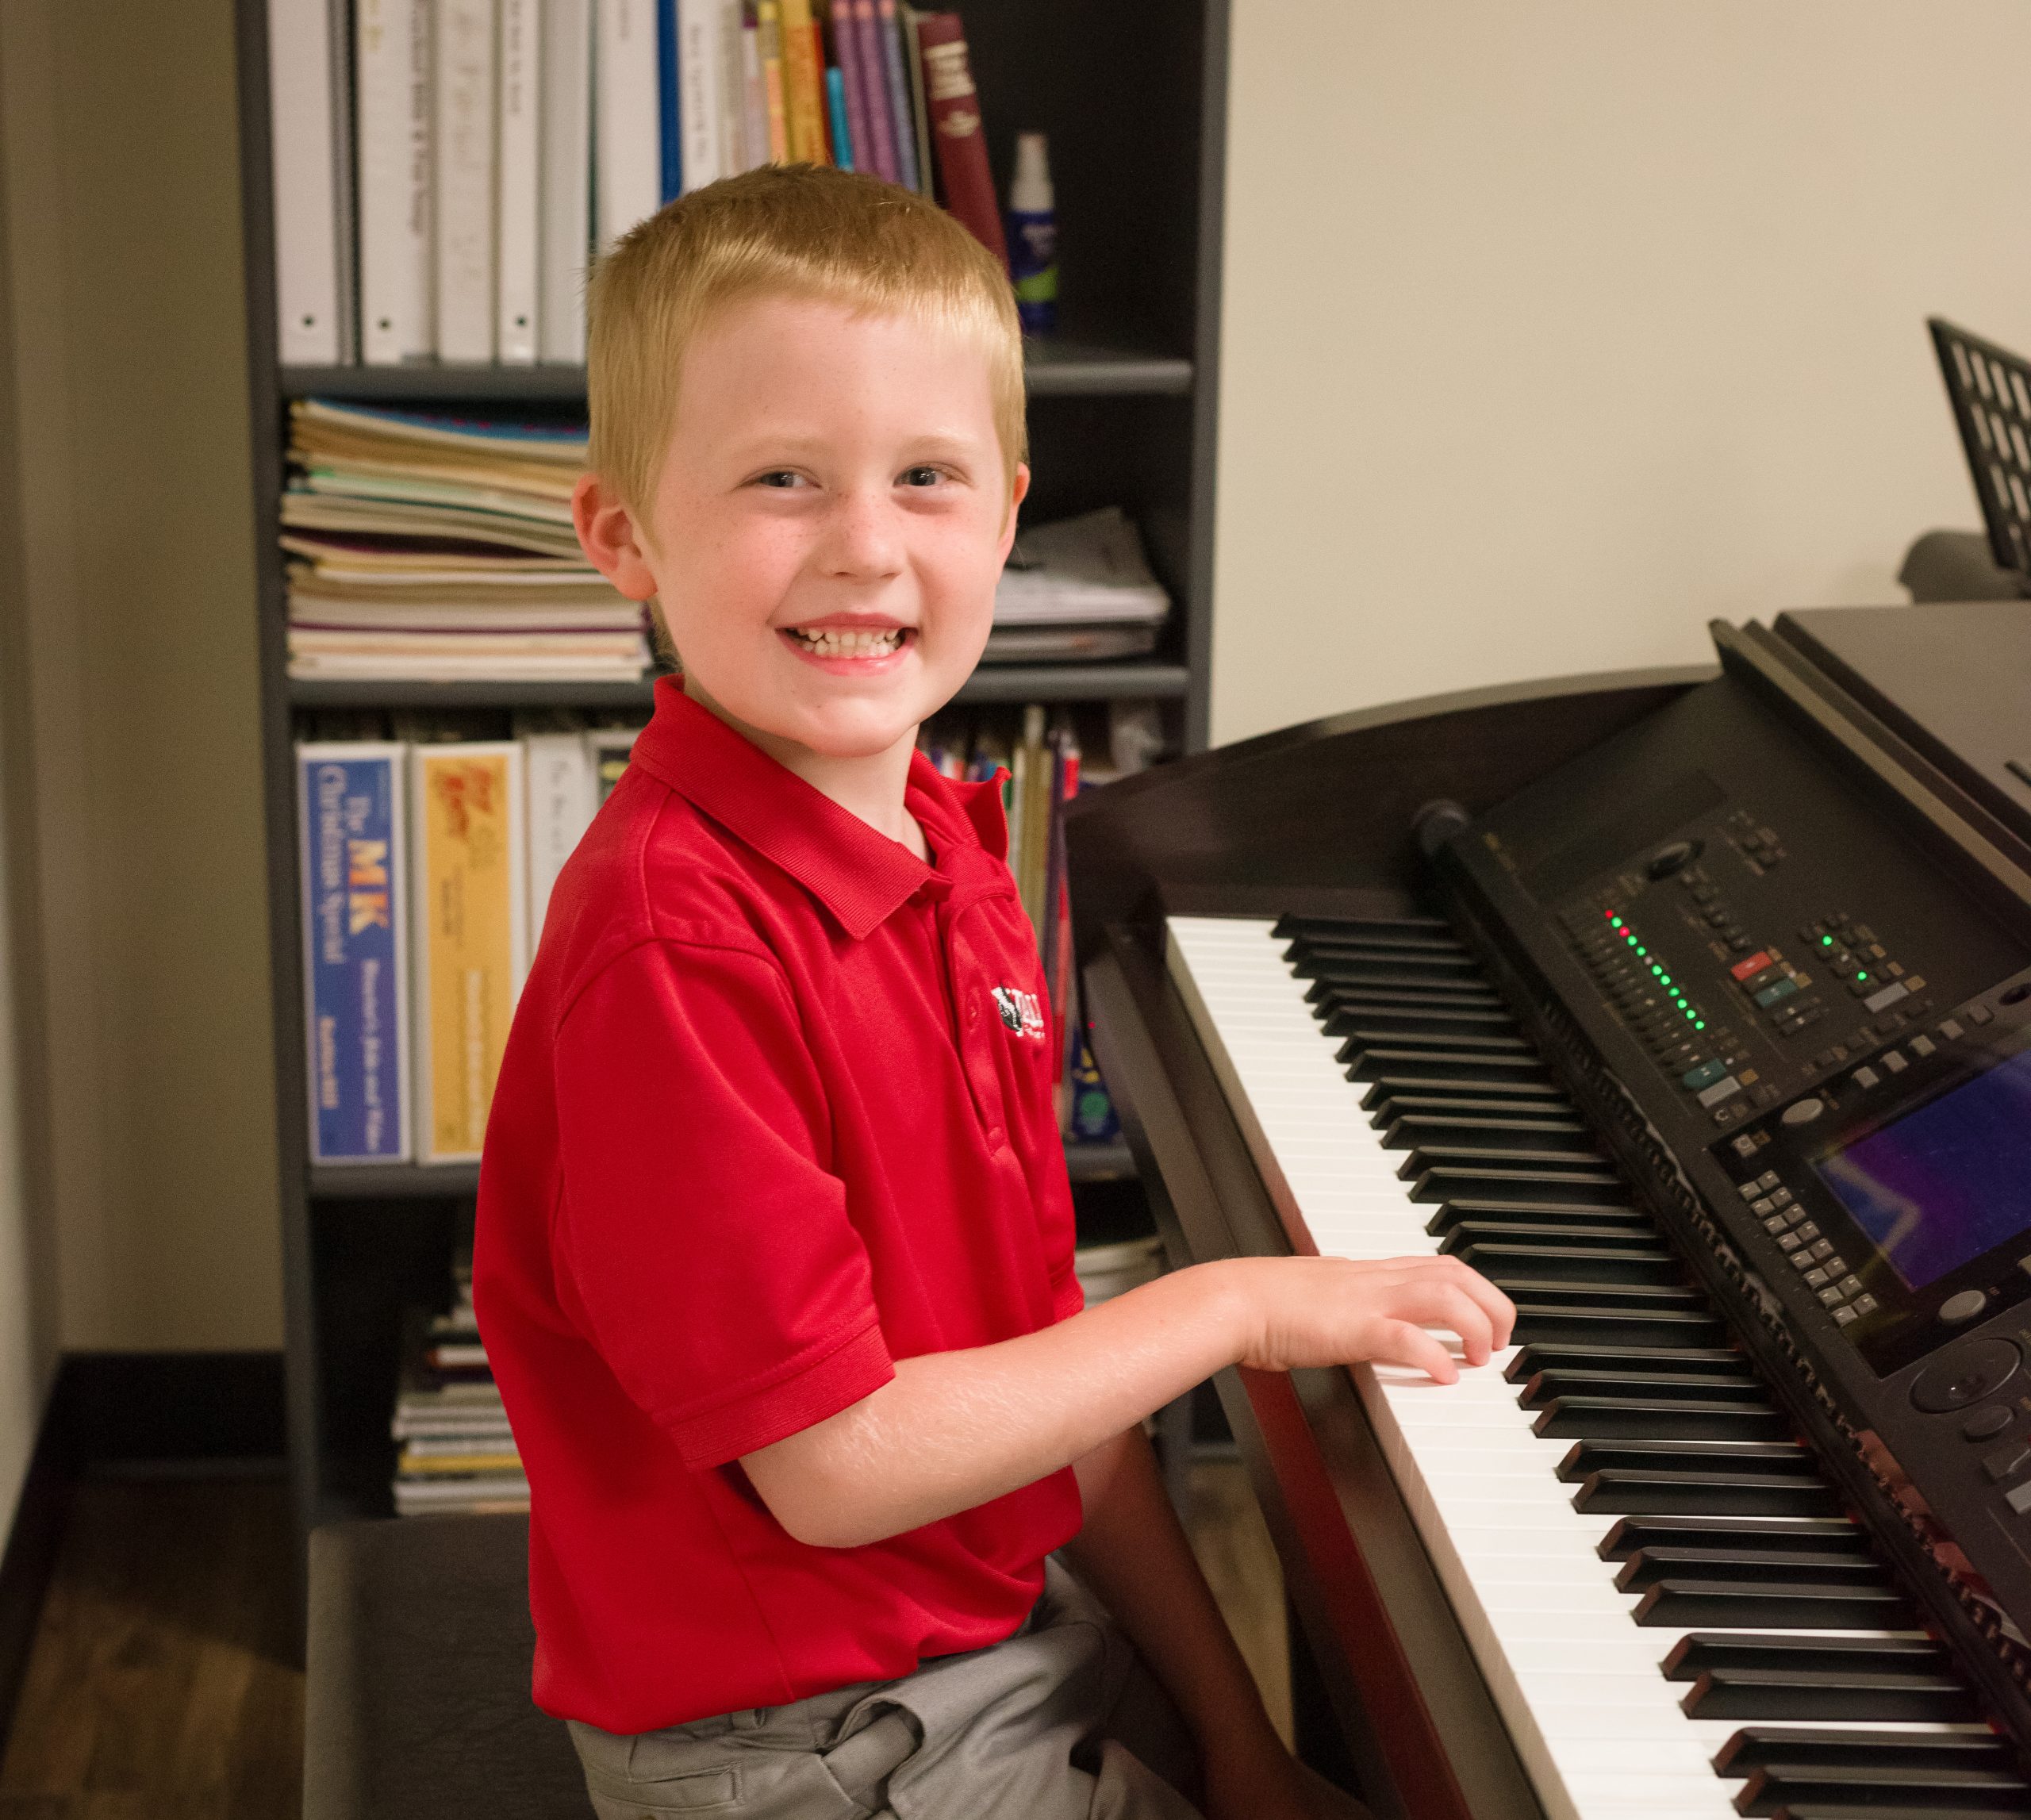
[(830, 518)]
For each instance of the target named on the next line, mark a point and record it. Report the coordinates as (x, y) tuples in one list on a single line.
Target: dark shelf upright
[(1124, 409)]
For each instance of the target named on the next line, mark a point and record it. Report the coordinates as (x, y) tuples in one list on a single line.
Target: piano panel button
[(1605, 1419), (1759, 1605), (1828, 1694), (1838, 1535)]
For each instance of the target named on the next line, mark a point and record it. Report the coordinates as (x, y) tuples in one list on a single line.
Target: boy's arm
[(953, 1430)]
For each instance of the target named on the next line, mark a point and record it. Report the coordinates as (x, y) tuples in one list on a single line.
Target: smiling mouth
[(849, 641)]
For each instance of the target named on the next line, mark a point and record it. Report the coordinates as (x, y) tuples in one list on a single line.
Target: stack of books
[(458, 1454), (427, 866), (445, 169), (1077, 591), (435, 548)]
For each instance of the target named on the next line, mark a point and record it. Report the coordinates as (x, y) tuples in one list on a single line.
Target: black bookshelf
[(1123, 411)]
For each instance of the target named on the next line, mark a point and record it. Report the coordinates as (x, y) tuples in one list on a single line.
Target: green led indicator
[(1861, 976), (1826, 941), (1697, 1024), (1666, 979), (1646, 953)]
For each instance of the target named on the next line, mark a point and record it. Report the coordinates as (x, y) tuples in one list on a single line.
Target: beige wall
[(1554, 330), (136, 618)]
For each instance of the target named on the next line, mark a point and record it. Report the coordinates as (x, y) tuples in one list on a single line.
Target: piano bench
[(417, 1701)]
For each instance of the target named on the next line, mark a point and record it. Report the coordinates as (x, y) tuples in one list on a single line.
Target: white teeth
[(849, 642)]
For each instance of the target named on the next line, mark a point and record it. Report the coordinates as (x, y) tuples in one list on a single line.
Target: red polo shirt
[(771, 1117)]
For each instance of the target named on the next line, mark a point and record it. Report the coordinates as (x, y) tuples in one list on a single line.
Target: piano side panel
[(1401, 1675), (1329, 806)]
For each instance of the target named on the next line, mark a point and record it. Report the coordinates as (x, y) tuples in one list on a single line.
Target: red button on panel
[(1755, 964)]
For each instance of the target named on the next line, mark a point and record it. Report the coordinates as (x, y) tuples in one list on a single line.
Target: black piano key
[(1900, 1810), (1618, 1237), (1325, 989), (1959, 1792), (1829, 1535), (1569, 1137), (1392, 1106), (1626, 1492), (1853, 1694), (1376, 976), (1759, 1747), (1515, 1088), (1694, 1654), (1365, 1030), (1364, 964), (1392, 951), (1451, 1181), (1682, 1361), (1635, 1386), (1369, 1011), (1771, 1605), (1648, 1565), (1609, 1419), (1548, 1321), (1680, 1298), (1608, 1217), (1777, 1459), (1400, 1061), (1594, 1263), (1294, 924)]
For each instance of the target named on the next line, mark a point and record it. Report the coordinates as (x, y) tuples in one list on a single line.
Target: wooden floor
[(160, 1687)]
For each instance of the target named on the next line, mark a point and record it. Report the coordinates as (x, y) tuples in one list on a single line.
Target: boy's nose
[(863, 541)]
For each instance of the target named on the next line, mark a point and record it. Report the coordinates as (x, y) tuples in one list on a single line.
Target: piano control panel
[(1899, 1191)]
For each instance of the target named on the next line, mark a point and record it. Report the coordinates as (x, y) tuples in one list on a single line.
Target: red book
[(954, 107)]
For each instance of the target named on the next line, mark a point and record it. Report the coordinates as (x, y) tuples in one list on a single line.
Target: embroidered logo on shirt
[(1021, 1012)]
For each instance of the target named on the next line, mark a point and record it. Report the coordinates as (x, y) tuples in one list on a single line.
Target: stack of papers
[(430, 548), (1078, 590)]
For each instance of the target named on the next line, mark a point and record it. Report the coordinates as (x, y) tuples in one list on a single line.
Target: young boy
[(774, 1259)]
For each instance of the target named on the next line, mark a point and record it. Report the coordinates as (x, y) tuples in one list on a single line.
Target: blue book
[(350, 820), (836, 112), (669, 123)]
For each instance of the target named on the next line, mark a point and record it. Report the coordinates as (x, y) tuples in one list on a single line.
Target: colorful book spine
[(670, 118), (350, 815), (769, 28), (803, 84), (835, 119), (608, 748), (866, 35), (954, 107), (910, 20), (559, 770), (895, 82), (852, 88), (468, 935)]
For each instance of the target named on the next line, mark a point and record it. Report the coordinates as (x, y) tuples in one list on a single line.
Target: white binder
[(313, 174), (391, 62)]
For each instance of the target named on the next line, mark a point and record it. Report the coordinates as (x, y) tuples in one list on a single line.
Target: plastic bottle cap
[(1030, 190)]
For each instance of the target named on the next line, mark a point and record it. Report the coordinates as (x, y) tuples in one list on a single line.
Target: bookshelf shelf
[(424, 1181), (1011, 683), (1055, 369), (1124, 414)]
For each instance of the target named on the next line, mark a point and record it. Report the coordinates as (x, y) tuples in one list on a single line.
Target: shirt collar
[(860, 875)]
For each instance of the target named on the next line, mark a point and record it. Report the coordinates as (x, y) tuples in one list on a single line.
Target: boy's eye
[(921, 477), (781, 478)]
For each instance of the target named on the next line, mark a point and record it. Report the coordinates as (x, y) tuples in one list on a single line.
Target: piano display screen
[(1947, 1182)]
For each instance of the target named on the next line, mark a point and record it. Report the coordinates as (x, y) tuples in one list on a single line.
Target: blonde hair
[(795, 230)]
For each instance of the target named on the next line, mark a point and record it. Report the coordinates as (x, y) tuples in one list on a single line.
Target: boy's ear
[(1016, 492), (607, 535)]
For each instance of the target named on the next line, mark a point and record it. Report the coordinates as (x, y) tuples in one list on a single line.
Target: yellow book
[(803, 84), (769, 22), (469, 935)]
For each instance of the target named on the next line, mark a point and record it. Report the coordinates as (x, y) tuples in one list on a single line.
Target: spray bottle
[(1033, 236)]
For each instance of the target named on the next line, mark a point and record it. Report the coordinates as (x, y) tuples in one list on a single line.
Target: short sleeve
[(703, 1236)]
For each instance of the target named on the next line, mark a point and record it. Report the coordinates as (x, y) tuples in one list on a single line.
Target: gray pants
[(1060, 1722)]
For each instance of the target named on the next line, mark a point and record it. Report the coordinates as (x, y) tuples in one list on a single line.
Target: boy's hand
[(1271, 1784), (1332, 1310)]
